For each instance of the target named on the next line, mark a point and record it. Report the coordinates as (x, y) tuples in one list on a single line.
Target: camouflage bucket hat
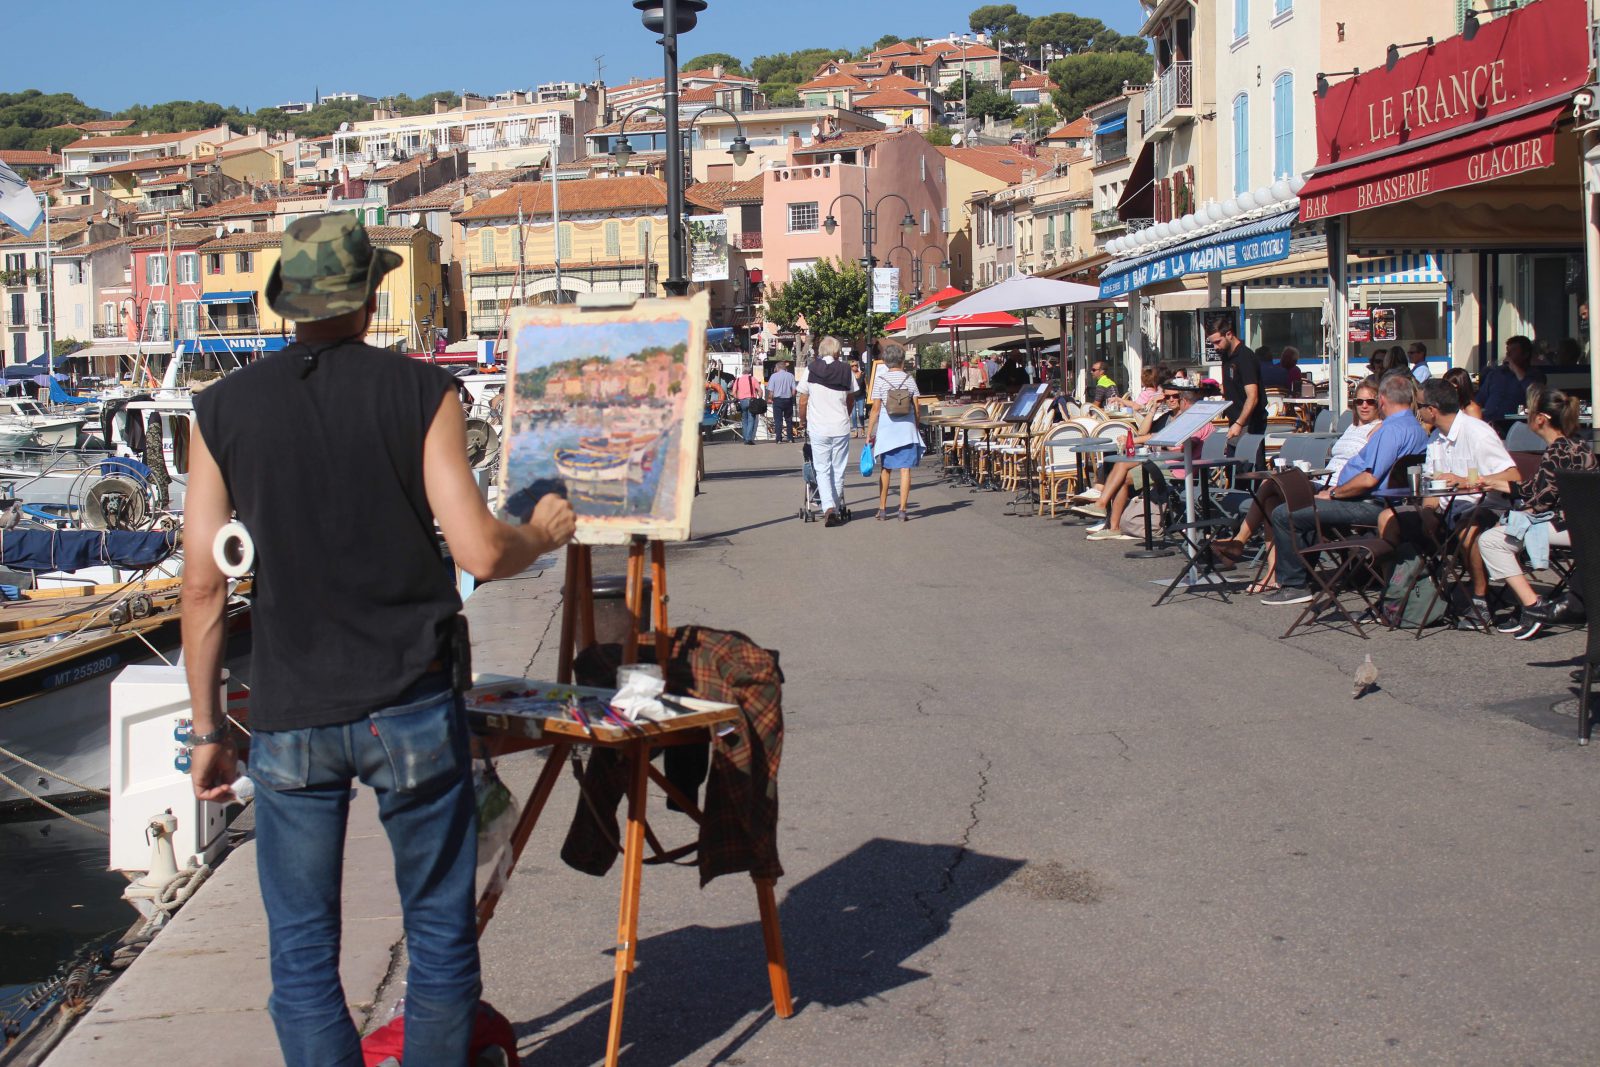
[(328, 268)]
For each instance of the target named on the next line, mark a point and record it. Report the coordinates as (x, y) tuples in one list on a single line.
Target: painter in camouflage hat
[(328, 268)]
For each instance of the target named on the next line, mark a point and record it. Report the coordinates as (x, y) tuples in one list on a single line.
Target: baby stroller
[(811, 504)]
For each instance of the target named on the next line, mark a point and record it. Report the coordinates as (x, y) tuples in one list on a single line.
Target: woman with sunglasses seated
[(1539, 521), (1367, 419), (1126, 479)]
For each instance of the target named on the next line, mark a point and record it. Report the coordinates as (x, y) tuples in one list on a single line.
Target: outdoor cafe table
[(988, 427), (1090, 446), (1305, 409), (1149, 551)]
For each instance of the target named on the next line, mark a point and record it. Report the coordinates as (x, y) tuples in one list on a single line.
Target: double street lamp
[(669, 18), (917, 265), (869, 220)]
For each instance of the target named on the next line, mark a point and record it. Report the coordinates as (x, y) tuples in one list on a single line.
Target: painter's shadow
[(847, 931)]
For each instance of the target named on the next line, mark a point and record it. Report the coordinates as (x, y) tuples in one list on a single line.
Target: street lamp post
[(869, 219), (917, 265), (677, 282)]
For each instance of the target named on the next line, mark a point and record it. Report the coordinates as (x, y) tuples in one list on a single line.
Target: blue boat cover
[(59, 395), (71, 550)]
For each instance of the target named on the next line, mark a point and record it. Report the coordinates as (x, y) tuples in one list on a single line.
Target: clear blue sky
[(257, 54)]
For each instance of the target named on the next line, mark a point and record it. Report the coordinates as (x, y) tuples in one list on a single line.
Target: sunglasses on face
[(1365, 400)]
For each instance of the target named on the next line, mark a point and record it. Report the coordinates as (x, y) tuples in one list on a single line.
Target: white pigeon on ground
[(1366, 677)]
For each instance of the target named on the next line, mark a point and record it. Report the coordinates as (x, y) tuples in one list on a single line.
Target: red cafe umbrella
[(943, 296)]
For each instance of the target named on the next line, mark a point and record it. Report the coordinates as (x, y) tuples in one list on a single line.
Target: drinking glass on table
[(1472, 475)]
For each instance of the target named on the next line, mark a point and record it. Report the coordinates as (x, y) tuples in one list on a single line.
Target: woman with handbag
[(892, 429), (1539, 523)]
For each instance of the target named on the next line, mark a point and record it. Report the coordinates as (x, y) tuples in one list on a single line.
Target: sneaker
[(1531, 625), (1476, 617), (1091, 493), (1096, 528), (1090, 509), (1108, 535), (1288, 595), (1512, 623)]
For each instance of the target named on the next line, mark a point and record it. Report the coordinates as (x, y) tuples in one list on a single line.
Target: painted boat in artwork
[(636, 446), (583, 465)]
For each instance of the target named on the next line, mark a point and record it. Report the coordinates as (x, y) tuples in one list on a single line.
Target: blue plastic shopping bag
[(866, 460)]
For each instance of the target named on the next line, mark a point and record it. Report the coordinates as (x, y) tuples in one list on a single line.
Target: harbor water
[(56, 897)]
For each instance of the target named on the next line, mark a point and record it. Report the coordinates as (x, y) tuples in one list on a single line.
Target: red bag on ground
[(491, 1036)]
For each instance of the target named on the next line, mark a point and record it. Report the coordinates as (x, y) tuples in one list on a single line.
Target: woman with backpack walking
[(892, 428)]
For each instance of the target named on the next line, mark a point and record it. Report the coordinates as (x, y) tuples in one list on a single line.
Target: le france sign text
[(1244, 252), (1383, 137)]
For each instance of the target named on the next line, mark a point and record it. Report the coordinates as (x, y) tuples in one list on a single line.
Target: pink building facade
[(893, 173)]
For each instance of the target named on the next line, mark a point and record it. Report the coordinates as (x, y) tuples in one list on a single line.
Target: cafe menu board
[(1360, 325), (1385, 324)]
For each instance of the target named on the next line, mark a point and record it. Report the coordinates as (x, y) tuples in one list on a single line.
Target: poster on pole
[(708, 248), (885, 290)]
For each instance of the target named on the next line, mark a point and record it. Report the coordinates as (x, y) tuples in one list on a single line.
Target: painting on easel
[(607, 403)]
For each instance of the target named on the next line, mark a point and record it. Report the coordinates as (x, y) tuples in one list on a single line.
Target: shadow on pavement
[(847, 931)]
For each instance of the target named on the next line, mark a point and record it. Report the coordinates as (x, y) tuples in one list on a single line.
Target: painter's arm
[(206, 509)]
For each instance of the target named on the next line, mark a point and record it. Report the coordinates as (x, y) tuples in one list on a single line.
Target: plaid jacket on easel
[(740, 828)]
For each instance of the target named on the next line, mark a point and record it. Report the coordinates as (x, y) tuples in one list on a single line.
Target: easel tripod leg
[(772, 934), (632, 873)]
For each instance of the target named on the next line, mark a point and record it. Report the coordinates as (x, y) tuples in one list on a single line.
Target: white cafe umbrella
[(1022, 292)]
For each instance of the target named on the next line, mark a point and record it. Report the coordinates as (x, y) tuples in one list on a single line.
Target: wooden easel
[(577, 633)]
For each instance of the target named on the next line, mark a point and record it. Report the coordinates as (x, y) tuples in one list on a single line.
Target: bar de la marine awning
[(1461, 112)]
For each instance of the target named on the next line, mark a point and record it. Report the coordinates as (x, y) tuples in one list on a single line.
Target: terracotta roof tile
[(239, 205), (889, 98), (899, 48), (1034, 81), (104, 125), (132, 139), (833, 81), (845, 141), (181, 238), (1002, 162), (750, 191), (21, 157), (1078, 127), (579, 195), (448, 196), (58, 234), (134, 166), (710, 195), (390, 235), (397, 170), (897, 81), (244, 242), (98, 246)]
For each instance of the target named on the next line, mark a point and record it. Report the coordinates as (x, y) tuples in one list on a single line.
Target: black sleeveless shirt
[(352, 599)]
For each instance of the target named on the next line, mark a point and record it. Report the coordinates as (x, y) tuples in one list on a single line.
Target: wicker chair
[(1057, 466), (1580, 499)]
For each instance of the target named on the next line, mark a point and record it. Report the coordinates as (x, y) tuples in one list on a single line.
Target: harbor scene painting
[(606, 405)]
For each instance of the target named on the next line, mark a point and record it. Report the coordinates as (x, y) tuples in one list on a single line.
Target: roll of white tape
[(233, 550)]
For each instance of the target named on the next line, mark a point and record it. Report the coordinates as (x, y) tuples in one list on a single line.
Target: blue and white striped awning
[(1387, 268), (1263, 240), (1113, 125)]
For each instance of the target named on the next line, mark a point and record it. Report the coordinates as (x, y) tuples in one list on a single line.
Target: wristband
[(220, 735)]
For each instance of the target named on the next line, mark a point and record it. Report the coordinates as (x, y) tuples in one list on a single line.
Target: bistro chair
[(1119, 433), (1323, 423), (1521, 439), (1057, 465), (1345, 421), (1336, 566), (1580, 499)]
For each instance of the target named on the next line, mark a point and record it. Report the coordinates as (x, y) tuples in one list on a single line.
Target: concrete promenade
[(1026, 819)]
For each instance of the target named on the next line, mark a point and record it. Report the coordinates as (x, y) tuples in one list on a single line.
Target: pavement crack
[(925, 901), (1123, 752), (722, 558), (527, 671)]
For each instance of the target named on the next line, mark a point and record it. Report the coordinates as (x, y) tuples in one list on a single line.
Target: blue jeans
[(783, 418), (415, 755), (748, 430), (1292, 530)]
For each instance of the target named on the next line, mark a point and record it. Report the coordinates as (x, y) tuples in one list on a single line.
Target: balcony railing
[(1110, 149), (110, 331), (750, 240), (484, 322), (1105, 220), (1173, 90), (181, 202)]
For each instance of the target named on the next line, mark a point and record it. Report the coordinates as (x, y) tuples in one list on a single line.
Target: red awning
[(1495, 150), (943, 296)]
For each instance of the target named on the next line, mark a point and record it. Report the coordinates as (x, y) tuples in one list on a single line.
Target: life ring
[(721, 396)]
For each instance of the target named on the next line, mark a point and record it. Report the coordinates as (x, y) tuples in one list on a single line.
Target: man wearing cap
[(338, 457)]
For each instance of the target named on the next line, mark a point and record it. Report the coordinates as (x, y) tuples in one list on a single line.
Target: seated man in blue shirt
[(1358, 498), (1505, 388)]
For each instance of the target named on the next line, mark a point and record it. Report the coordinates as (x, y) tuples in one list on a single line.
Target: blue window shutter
[(1241, 143), (1283, 126), (1241, 18)]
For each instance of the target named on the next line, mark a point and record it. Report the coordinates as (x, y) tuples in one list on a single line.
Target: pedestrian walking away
[(360, 654), (825, 393), (780, 390), (748, 394), (892, 429)]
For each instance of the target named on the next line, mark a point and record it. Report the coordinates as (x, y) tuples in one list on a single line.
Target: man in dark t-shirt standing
[(338, 457), (1241, 377)]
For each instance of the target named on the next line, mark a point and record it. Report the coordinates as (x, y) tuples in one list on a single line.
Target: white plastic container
[(149, 712)]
